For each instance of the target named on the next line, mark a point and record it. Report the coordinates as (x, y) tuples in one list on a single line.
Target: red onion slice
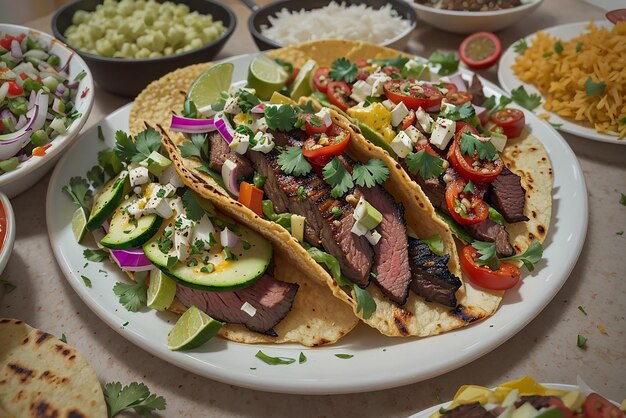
[(16, 50), (223, 127), (189, 125), (228, 238), (229, 174), (133, 259)]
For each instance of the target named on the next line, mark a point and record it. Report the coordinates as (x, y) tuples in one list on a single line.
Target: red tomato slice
[(338, 93), (512, 121), (14, 89), (451, 87), (320, 79), (315, 127), (321, 148), (477, 210), (457, 98), (292, 76), (596, 406), (408, 119), (507, 276), (480, 50), (412, 94), (471, 167)]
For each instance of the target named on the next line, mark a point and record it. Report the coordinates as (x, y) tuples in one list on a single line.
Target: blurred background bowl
[(33, 169), (464, 22), (7, 233), (260, 17), (128, 76)]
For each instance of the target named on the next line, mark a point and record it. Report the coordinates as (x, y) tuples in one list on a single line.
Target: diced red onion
[(133, 259), (10, 144), (223, 127), (189, 125), (228, 238), (66, 68), (16, 50), (260, 108), (229, 174), (457, 80), (21, 122)]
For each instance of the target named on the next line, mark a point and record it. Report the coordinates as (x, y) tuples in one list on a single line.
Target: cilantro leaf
[(132, 296), (447, 61), (488, 255), (490, 102), (280, 118), (124, 147), (135, 396), (96, 176), (342, 69), (302, 358), (594, 89), (196, 146), (581, 341), (435, 243), (399, 62), (469, 187), (485, 150), (464, 111), (308, 107), (530, 257), (371, 173), (336, 175), (147, 141), (274, 361), (8, 286), (426, 165), (502, 103), (95, 255), (246, 101), (558, 47), (78, 190), (520, 46), (193, 209), (110, 162), (365, 303), (522, 98), (86, 280), (331, 262), (189, 109), (293, 162), (344, 356)]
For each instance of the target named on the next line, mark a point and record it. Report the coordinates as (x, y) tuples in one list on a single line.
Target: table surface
[(545, 349)]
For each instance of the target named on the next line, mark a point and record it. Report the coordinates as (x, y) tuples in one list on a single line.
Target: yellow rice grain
[(560, 77)]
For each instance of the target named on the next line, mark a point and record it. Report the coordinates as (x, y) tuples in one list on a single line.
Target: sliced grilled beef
[(490, 231), (391, 258), (434, 188), (431, 278), (220, 151), (476, 88), (536, 401), (508, 196), (293, 137), (271, 298), (468, 410)]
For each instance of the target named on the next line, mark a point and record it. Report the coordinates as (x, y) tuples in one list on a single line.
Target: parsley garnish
[(520, 46), (132, 296), (371, 173), (78, 191), (558, 47), (164, 244), (193, 209), (135, 396), (280, 118), (594, 89), (293, 162), (522, 98), (470, 144), (582, 309), (426, 165), (196, 146), (336, 175), (399, 62), (95, 255), (344, 356), (302, 358), (274, 361), (342, 69), (464, 111), (8, 286), (197, 248), (579, 46), (189, 109), (448, 62), (435, 243), (581, 341), (86, 280), (145, 142)]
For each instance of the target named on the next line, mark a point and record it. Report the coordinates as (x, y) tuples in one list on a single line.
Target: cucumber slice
[(253, 253), (124, 233), (107, 200)]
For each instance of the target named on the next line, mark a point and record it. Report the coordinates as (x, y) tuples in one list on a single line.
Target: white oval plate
[(378, 362), (509, 81)]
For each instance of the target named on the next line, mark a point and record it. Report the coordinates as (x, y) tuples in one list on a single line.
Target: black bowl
[(128, 76), (260, 16)]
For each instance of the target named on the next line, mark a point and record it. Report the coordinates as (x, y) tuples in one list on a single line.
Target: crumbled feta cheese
[(402, 144), (388, 104), (324, 115), (398, 113), (377, 80), (181, 246), (442, 132), (203, 231), (447, 107), (231, 106), (138, 175), (157, 203), (249, 309), (177, 206), (414, 134), (264, 142), (360, 90), (413, 64), (137, 208), (259, 124), (424, 119), (169, 190), (170, 176), (240, 143)]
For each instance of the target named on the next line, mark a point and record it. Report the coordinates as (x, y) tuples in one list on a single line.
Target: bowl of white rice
[(287, 22)]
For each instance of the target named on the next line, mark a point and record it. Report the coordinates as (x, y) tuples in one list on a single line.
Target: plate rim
[(268, 380)]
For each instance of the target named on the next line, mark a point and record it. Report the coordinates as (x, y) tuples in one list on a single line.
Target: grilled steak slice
[(537, 401), (468, 410), (391, 258), (490, 231), (431, 278), (294, 137), (271, 298), (476, 88), (508, 196), (219, 152), (434, 188)]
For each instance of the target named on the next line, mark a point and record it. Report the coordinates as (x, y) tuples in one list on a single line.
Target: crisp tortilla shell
[(41, 375)]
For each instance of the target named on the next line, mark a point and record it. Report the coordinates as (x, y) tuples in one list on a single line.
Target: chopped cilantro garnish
[(302, 358), (426, 165), (110, 162), (145, 142), (488, 257), (619, 233), (308, 107), (342, 69), (336, 175), (246, 101), (558, 47), (522, 98), (208, 268), (469, 144), (95, 255), (196, 146), (520, 46), (300, 192), (344, 356), (371, 173), (448, 62), (78, 190), (274, 361), (135, 396), (594, 89), (469, 187), (86, 280), (96, 176), (581, 341), (63, 338), (229, 254), (280, 118), (132, 296), (293, 162), (164, 244)]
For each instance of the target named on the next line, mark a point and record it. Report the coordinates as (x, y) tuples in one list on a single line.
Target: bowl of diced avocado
[(46, 95), (129, 43)]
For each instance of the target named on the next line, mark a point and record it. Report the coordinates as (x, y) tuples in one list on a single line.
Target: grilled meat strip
[(507, 195), (491, 231), (271, 298), (431, 278), (476, 88), (219, 152)]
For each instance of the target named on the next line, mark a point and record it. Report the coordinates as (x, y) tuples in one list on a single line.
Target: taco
[(375, 240), (41, 375)]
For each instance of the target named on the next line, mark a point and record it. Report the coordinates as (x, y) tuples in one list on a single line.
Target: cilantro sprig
[(95, 255), (193, 209), (280, 118), (488, 257), (371, 173), (462, 112), (426, 165), (342, 69), (337, 176), (131, 296), (196, 146), (447, 61), (135, 396), (399, 62), (274, 361), (470, 144), (293, 162), (520, 46), (522, 98), (138, 150), (78, 190)]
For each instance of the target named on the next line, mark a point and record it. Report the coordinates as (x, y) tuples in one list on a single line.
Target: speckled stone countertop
[(545, 348)]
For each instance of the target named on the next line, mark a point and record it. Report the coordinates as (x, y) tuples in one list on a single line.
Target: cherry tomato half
[(338, 93), (480, 50), (512, 121), (6, 41), (465, 207), (471, 167), (319, 149), (320, 79), (413, 95), (596, 406), (312, 124), (507, 276), (457, 98), (451, 87), (14, 89)]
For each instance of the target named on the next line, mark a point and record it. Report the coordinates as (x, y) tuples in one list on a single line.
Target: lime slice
[(206, 89), (161, 291), (301, 86), (79, 224), (266, 76), (192, 329)]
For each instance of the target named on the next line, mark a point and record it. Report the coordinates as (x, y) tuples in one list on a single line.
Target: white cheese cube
[(259, 124), (137, 208), (163, 209), (388, 104), (169, 190), (447, 107), (324, 115), (424, 119), (414, 134), (181, 246), (137, 190), (157, 203), (170, 176), (442, 132), (377, 80), (360, 90), (398, 113), (231, 106), (203, 231), (373, 236), (184, 225), (240, 143), (264, 142), (402, 144), (138, 175), (177, 206), (499, 141)]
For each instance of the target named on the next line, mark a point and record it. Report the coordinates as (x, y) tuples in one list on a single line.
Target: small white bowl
[(30, 171), (6, 243), (470, 22)]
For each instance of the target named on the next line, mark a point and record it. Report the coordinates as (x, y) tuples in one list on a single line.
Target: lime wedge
[(301, 86), (192, 329), (206, 89), (266, 76), (79, 224), (161, 291)]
